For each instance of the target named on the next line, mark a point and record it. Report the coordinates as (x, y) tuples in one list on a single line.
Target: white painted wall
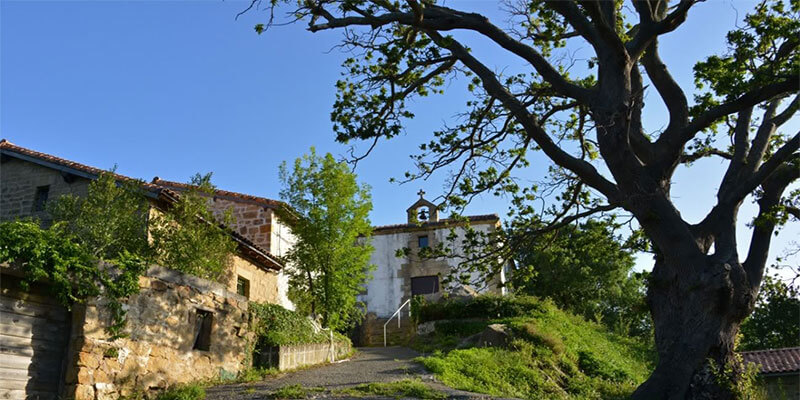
[(384, 291), (281, 241)]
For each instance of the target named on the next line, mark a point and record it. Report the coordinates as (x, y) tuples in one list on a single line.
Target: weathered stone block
[(84, 392)]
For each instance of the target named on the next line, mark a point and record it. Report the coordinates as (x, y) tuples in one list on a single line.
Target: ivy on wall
[(54, 257), (98, 244)]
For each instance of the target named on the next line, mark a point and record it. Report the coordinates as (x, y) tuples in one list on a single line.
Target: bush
[(276, 326), (183, 392), (485, 306)]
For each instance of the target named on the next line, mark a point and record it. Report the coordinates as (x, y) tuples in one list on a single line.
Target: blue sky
[(171, 88)]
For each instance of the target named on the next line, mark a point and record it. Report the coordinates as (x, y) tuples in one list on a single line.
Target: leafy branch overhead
[(600, 154)]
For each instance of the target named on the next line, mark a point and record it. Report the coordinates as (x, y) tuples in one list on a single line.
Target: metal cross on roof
[(421, 193)]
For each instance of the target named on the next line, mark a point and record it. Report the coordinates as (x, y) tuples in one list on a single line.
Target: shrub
[(276, 326), (485, 306), (183, 392)]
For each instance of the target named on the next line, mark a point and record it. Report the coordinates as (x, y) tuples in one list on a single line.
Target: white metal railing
[(397, 313)]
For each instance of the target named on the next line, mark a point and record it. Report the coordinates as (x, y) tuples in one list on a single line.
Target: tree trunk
[(697, 314)]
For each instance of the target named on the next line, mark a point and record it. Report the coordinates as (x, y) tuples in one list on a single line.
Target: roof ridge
[(5, 144), (158, 181), (470, 218)]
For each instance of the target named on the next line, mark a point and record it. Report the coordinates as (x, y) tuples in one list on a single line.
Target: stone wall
[(159, 349), (252, 221), (19, 180), (263, 284)]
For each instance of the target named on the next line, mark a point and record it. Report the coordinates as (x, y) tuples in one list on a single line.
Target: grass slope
[(553, 355)]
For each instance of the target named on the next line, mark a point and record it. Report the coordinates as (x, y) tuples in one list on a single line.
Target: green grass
[(294, 392), (255, 374), (553, 355), (183, 392), (398, 389)]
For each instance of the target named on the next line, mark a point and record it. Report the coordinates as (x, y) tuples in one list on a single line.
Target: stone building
[(180, 327), (396, 279)]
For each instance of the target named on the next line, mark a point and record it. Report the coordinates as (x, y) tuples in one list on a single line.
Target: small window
[(40, 199), (424, 285), (243, 287), (422, 241), (202, 329)]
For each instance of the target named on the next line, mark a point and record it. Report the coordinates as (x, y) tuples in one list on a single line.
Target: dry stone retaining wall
[(159, 349)]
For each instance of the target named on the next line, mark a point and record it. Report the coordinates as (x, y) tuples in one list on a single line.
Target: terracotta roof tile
[(775, 360), (8, 146), (223, 193)]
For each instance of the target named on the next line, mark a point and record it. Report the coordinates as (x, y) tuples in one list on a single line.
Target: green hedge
[(485, 306), (276, 326)]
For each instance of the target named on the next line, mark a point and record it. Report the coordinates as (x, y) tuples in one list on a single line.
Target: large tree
[(330, 216), (590, 127)]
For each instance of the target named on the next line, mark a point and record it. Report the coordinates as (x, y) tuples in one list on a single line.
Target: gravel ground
[(372, 364)]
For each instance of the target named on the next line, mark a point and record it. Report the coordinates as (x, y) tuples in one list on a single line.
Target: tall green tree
[(330, 261), (586, 269), (775, 322), (588, 122)]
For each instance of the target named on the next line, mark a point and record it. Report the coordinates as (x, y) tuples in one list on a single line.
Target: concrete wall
[(390, 284), (158, 350), (19, 180), (295, 356)]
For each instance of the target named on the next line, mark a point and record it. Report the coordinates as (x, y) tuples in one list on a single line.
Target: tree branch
[(436, 18), (672, 142), (583, 169), (784, 155), (669, 90), (651, 25), (765, 223)]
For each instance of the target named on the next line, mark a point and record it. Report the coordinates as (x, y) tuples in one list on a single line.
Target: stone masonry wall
[(263, 284), (158, 351), (252, 221), (19, 180)]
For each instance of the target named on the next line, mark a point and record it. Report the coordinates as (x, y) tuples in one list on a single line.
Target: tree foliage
[(98, 245), (188, 236), (588, 270), (589, 124), (775, 322), (56, 257), (110, 219), (328, 268)]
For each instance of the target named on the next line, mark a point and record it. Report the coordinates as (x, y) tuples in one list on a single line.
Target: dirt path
[(373, 364)]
